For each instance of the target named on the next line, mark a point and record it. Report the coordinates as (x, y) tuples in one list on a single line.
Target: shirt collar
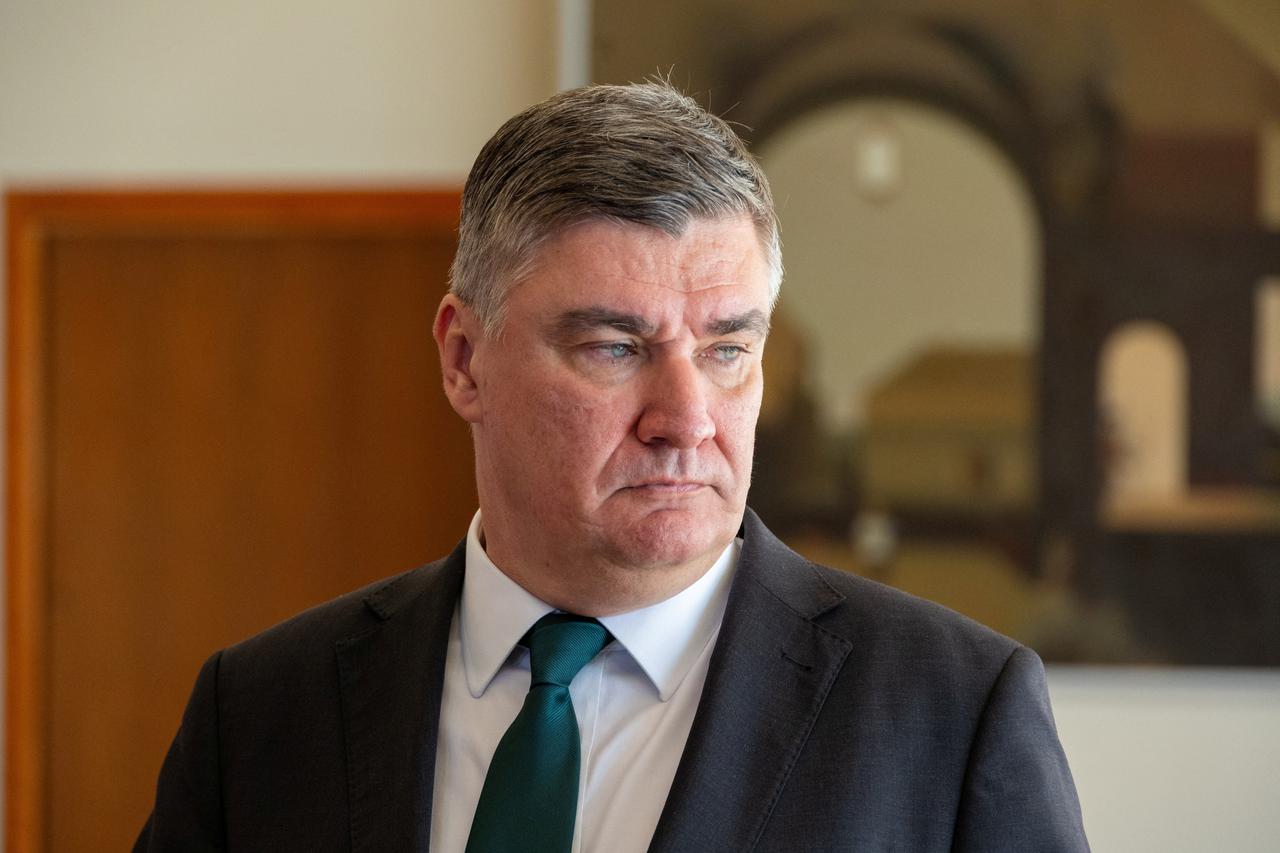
[(664, 639)]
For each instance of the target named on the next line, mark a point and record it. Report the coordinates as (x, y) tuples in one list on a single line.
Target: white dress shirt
[(635, 701)]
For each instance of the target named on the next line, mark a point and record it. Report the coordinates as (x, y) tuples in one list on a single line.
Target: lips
[(672, 487)]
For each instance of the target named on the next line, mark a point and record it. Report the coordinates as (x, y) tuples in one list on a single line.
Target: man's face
[(615, 413)]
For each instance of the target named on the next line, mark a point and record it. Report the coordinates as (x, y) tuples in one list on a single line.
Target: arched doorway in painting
[(1142, 404), (898, 435)]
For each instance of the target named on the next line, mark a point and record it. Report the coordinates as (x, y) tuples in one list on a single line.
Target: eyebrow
[(750, 321), (579, 320)]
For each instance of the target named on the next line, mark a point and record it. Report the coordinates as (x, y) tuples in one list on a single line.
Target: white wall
[(1173, 761), (407, 90), (279, 90)]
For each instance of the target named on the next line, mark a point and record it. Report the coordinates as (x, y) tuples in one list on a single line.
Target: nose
[(675, 411)]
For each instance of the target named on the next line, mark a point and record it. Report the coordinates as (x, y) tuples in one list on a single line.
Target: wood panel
[(224, 408)]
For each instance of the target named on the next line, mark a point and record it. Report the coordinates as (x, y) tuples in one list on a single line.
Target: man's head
[(642, 153), (617, 264)]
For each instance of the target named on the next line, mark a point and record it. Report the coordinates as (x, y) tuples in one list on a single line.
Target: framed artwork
[(1025, 362)]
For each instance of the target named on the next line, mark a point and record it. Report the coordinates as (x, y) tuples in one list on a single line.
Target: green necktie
[(530, 798)]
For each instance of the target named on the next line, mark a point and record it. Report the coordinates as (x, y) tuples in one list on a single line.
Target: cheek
[(573, 434), (737, 424)]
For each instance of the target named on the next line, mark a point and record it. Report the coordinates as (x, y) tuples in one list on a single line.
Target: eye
[(614, 350), (727, 353)]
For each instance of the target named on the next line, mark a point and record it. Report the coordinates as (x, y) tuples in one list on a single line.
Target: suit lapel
[(391, 680), (771, 670)]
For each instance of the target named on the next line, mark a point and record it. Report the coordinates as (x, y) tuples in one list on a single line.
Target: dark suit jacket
[(838, 714)]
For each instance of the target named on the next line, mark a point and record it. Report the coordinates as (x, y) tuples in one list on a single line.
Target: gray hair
[(643, 153)]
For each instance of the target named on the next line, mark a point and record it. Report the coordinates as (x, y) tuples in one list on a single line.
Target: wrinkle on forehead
[(638, 279), (704, 257)]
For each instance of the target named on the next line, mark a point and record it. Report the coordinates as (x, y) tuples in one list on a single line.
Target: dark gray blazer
[(838, 714)]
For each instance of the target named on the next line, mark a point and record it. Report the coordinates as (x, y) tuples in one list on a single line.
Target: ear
[(456, 331)]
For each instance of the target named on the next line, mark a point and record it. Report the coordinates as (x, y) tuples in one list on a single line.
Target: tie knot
[(560, 644)]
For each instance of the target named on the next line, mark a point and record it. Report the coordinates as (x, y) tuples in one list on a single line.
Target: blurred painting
[(1026, 362)]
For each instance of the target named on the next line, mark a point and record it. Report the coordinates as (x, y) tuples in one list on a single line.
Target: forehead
[(712, 262)]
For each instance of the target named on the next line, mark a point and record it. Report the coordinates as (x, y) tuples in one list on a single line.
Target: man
[(617, 264)]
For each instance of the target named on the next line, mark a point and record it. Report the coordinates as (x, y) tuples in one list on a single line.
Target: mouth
[(666, 487)]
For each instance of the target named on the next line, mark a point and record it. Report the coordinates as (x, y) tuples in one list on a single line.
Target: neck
[(593, 585)]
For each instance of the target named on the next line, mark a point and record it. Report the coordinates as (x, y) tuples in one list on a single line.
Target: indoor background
[(1056, 222)]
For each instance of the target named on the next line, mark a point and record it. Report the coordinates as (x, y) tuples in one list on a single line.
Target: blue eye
[(728, 353), (616, 350)]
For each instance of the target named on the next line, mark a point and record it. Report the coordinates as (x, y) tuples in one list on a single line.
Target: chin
[(674, 536)]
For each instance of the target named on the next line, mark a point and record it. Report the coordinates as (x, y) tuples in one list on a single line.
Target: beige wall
[(1173, 761), (276, 90)]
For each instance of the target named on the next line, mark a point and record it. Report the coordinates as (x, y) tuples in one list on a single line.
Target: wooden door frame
[(34, 216)]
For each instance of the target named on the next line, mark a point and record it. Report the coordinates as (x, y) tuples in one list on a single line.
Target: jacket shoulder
[(310, 636), (884, 625), (908, 622)]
